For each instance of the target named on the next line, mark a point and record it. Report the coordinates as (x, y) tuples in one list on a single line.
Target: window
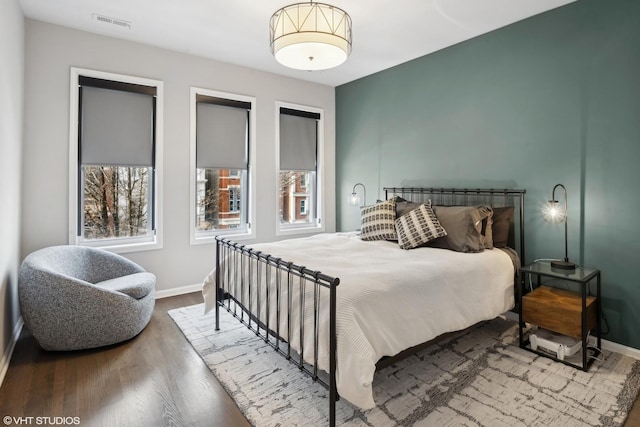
[(221, 167), (234, 199), (115, 150), (299, 136)]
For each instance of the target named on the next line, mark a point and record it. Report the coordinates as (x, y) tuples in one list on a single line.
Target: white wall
[(51, 50), (11, 108)]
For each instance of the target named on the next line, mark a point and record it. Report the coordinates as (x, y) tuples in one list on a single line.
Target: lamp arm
[(566, 211)]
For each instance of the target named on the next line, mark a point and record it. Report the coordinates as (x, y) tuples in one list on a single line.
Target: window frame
[(201, 238), (121, 244), (319, 192)]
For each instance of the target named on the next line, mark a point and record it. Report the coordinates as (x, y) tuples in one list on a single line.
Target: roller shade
[(298, 140), (117, 127), (222, 134)]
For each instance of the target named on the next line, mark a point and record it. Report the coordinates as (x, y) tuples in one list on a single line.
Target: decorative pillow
[(378, 222), (464, 228), (403, 206), (418, 227), (502, 218)]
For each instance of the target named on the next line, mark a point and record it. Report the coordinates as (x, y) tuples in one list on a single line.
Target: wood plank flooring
[(156, 379)]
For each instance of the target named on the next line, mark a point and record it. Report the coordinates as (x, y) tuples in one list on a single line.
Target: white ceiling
[(385, 33)]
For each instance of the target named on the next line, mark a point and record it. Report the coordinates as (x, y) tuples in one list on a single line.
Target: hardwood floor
[(156, 379), (633, 420)]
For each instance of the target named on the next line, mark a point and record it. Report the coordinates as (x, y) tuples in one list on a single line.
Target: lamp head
[(554, 212)]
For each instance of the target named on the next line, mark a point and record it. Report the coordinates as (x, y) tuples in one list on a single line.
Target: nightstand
[(571, 312)]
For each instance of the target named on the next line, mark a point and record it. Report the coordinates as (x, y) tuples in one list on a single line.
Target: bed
[(337, 304)]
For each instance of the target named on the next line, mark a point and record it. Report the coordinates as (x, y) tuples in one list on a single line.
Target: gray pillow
[(502, 218), (403, 206), (486, 231), (464, 225)]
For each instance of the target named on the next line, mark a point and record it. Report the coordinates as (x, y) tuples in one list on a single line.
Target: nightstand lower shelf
[(575, 361)]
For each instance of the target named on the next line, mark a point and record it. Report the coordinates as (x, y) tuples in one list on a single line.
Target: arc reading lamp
[(353, 200), (555, 213)]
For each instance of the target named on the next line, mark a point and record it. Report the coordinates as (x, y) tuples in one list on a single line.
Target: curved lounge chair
[(75, 297)]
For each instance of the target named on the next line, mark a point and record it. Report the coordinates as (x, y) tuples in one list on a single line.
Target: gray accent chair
[(75, 297)]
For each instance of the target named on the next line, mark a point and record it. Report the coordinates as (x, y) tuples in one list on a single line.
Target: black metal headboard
[(469, 197)]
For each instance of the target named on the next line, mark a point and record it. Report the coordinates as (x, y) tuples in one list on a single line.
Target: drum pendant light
[(310, 36)]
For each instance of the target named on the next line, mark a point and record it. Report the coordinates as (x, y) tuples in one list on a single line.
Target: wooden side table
[(574, 312)]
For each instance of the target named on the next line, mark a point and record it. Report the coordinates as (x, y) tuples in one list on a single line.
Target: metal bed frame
[(243, 277)]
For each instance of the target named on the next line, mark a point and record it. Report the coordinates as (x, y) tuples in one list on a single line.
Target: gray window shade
[(221, 136), (298, 141), (116, 127)]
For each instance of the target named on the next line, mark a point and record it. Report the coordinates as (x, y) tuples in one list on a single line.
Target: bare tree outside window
[(207, 199), (115, 201)]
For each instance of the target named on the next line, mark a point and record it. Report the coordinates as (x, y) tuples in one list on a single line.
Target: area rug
[(479, 377)]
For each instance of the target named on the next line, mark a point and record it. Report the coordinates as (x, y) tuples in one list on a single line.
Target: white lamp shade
[(554, 212), (310, 36)]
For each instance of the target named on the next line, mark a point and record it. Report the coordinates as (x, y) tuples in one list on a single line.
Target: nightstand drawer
[(558, 310)]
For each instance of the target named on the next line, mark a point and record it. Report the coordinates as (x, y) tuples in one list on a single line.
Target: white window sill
[(211, 238), (121, 246), (299, 230)]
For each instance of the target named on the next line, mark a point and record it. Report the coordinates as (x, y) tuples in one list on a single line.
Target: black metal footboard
[(282, 303)]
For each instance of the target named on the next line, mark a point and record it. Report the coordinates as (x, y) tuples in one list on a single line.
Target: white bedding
[(390, 299)]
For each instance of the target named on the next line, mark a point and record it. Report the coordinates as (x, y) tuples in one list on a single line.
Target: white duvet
[(390, 299)]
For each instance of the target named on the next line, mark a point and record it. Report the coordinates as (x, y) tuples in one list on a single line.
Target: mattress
[(389, 299)]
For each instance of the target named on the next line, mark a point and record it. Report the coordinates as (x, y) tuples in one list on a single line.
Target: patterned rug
[(477, 378)]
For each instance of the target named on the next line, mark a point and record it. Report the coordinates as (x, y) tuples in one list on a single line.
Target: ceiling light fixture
[(310, 36)]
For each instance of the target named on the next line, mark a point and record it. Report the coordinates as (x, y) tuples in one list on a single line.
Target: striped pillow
[(378, 222), (418, 227)]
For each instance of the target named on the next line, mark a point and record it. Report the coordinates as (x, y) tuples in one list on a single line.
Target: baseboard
[(622, 349), (166, 293), (6, 357), (606, 345)]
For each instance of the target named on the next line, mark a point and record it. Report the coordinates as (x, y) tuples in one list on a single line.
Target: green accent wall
[(551, 99)]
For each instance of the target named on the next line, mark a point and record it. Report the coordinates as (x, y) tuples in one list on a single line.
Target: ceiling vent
[(113, 21)]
